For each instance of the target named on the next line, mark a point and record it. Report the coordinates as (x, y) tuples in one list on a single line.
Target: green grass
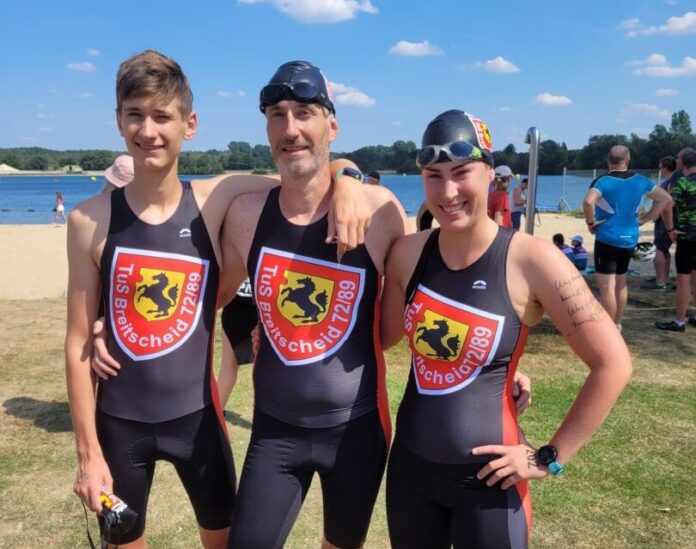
[(629, 487)]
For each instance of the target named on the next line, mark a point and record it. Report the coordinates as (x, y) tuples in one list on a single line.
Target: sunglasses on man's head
[(304, 92)]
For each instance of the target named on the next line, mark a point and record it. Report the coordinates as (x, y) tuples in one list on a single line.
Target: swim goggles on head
[(456, 151), (304, 92)]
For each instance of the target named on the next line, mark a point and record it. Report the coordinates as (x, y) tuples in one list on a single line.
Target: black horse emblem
[(302, 297), (433, 337), (155, 293)]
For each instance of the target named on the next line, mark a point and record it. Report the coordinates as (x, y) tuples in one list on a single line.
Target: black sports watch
[(546, 456), (350, 172)]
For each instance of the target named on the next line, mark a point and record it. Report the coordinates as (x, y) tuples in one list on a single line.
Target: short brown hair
[(152, 74), (669, 162)]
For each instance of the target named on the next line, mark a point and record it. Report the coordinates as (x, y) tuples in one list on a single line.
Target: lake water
[(30, 199)]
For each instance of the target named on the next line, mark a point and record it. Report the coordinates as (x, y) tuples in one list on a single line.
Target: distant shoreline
[(97, 173)]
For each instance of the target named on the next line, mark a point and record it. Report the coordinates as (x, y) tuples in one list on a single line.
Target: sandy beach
[(35, 265)]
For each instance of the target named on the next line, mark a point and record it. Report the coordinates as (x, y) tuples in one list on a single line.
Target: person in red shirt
[(498, 202)]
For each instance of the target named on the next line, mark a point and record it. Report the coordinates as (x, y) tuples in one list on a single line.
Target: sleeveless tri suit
[(466, 340), (159, 285), (320, 401)]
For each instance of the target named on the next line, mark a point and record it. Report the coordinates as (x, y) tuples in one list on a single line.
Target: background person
[(119, 174), (373, 178), (498, 200), (472, 290), (684, 232), (662, 241), (59, 210), (519, 203), (610, 207), (579, 253), (559, 241)]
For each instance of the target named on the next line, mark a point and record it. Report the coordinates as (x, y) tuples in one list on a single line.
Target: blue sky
[(573, 69)]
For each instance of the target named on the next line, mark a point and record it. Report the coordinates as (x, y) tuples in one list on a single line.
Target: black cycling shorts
[(438, 506), (662, 240), (610, 259), (278, 470), (685, 256), (197, 446)]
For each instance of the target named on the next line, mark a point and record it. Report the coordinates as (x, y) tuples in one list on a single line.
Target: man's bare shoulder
[(229, 185), (378, 196), (93, 211), (246, 208)]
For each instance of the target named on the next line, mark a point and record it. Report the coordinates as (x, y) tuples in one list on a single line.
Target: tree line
[(398, 157)]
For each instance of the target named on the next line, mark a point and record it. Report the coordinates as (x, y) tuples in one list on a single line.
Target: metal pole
[(532, 138)]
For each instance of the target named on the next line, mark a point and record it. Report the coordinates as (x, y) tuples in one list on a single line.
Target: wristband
[(350, 172), (670, 230), (589, 224)]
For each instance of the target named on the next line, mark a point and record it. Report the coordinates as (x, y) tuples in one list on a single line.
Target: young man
[(684, 232), (151, 250), (610, 208)]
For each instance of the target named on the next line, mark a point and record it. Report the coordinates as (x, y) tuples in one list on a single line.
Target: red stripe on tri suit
[(382, 395), (510, 427)]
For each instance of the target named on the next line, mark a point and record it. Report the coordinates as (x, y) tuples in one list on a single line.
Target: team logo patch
[(451, 342), (156, 300), (482, 133), (307, 306)]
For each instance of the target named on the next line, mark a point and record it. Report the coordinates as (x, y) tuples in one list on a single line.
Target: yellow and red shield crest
[(451, 342), (483, 134), (156, 300), (307, 306)]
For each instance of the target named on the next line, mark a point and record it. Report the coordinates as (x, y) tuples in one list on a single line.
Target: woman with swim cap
[(471, 290)]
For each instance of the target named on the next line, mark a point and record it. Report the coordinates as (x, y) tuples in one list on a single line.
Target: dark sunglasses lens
[(304, 91), (272, 94), (462, 149), (425, 156)]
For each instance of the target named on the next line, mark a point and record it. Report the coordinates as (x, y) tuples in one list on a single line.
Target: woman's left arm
[(562, 292)]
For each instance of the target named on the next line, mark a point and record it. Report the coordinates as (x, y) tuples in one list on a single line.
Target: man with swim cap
[(466, 296), (610, 206), (320, 399)]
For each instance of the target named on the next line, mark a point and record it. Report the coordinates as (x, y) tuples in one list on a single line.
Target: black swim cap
[(453, 126), (298, 81)]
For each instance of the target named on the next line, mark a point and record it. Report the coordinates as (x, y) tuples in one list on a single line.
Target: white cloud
[(318, 11), (82, 66), (498, 64), (29, 139), (45, 130), (656, 65), (629, 24), (423, 48), (223, 93), (641, 132), (653, 59), (348, 95), (671, 2), (83, 95), (93, 52), (552, 100), (505, 109), (396, 123), (241, 93), (666, 92), (642, 110), (686, 24), (41, 115)]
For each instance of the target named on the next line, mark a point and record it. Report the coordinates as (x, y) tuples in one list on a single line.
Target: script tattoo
[(531, 459), (582, 308)]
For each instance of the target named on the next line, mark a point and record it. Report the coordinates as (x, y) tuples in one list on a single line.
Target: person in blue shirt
[(611, 213)]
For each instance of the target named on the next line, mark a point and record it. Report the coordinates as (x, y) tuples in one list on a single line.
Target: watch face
[(546, 454)]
